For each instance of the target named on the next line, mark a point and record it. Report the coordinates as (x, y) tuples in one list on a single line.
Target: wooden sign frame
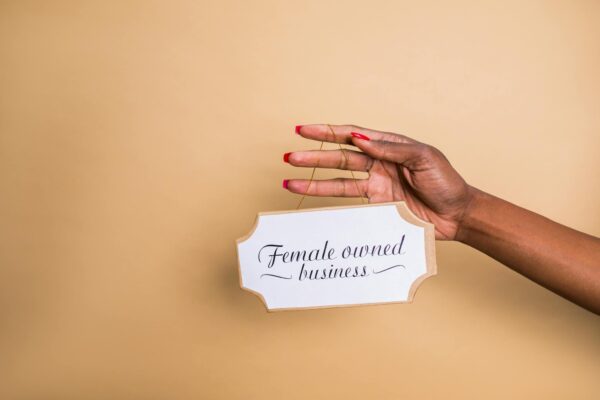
[(404, 212)]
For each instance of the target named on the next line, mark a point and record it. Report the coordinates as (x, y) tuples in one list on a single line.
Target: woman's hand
[(399, 168), (557, 257)]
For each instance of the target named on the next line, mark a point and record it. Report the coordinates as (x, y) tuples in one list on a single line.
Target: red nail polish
[(286, 157), (298, 129), (360, 136), (285, 183)]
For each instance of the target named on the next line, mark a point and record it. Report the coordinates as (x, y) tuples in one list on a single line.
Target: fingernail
[(298, 129), (286, 157), (360, 136), (285, 183)]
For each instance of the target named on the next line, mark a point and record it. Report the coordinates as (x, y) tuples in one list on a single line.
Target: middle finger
[(340, 159)]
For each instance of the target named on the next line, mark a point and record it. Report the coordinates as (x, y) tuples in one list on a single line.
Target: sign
[(336, 256)]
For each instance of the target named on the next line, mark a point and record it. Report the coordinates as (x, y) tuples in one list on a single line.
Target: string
[(312, 175)]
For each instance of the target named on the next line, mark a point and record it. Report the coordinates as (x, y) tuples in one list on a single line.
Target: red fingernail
[(286, 157), (298, 129), (285, 183), (360, 136)]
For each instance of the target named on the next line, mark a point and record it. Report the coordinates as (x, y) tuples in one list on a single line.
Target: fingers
[(340, 187), (408, 154), (342, 133), (346, 160)]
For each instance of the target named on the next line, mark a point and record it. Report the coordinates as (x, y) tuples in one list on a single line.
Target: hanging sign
[(336, 256)]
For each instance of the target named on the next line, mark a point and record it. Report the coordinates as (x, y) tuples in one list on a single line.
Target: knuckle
[(430, 153), (340, 187), (403, 138), (385, 148), (343, 161), (318, 189)]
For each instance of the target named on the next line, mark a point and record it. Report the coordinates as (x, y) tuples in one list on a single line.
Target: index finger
[(342, 133)]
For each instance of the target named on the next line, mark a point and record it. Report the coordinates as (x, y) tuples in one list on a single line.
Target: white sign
[(336, 256)]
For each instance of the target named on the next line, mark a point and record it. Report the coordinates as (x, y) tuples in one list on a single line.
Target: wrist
[(467, 221)]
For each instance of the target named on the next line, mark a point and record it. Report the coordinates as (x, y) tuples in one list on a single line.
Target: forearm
[(557, 257)]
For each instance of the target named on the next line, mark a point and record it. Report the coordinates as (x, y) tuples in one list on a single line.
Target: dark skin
[(402, 169)]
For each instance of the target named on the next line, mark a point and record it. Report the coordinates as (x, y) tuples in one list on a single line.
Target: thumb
[(401, 153)]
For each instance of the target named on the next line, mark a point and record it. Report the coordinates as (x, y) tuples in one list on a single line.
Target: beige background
[(138, 140)]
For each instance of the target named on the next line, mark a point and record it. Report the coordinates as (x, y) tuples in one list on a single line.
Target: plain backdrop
[(138, 140)]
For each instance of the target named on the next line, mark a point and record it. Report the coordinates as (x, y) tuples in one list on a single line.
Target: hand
[(399, 168)]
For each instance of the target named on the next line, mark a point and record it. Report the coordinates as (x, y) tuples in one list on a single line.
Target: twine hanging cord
[(363, 199)]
